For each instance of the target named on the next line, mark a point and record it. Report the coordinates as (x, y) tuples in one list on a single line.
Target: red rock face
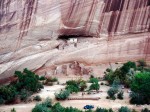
[(29, 30)]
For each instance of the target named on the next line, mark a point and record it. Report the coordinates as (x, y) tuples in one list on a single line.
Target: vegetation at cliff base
[(26, 83)]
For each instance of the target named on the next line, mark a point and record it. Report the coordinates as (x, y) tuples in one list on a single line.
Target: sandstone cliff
[(107, 31)]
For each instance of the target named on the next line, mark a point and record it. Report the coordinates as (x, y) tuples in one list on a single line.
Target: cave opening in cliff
[(66, 37)]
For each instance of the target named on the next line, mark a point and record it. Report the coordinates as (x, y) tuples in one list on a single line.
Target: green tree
[(140, 86), (124, 109), (58, 108), (111, 93), (62, 95), (93, 80), (103, 110), (71, 109), (8, 93), (120, 95), (145, 110), (27, 80), (94, 86)]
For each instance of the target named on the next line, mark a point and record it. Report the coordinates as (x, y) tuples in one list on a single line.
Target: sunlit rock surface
[(107, 31)]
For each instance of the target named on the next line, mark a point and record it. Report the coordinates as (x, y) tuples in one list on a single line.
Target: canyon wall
[(107, 31)]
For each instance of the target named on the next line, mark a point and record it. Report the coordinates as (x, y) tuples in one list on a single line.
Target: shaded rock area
[(104, 31)]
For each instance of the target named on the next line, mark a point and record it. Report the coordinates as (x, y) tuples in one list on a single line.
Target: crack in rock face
[(46, 35)]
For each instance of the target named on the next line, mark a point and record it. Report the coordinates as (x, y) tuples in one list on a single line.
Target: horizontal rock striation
[(30, 32)]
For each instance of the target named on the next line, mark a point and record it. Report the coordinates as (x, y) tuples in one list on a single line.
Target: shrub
[(41, 108), (140, 87), (126, 67), (71, 109), (71, 82), (54, 79), (124, 109), (145, 110), (73, 86), (103, 110), (121, 73), (62, 95), (111, 92), (116, 83), (8, 93), (94, 86), (37, 98), (120, 95), (136, 98), (27, 80), (93, 80), (47, 102), (42, 78), (82, 86), (13, 110), (24, 94), (142, 63), (58, 108)]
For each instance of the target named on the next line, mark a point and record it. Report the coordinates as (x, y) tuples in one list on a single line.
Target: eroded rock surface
[(107, 31)]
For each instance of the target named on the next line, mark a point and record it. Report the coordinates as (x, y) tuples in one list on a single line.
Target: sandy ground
[(49, 91)]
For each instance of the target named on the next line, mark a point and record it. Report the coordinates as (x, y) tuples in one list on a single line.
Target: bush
[(120, 73), (124, 109), (136, 98), (24, 94), (73, 86), (116, 83), (41, 108), (71, 109), (42, 78), (94, 86), (13, 110), (120, 95), (82, 86), (37, 98), (140, 87), (111, 92), (47, 102), (126, 67), (141, 63), (8, 94), (62, 95), (58, 108), (103, 110), (27, 80), (145, 110), (93, 80)]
